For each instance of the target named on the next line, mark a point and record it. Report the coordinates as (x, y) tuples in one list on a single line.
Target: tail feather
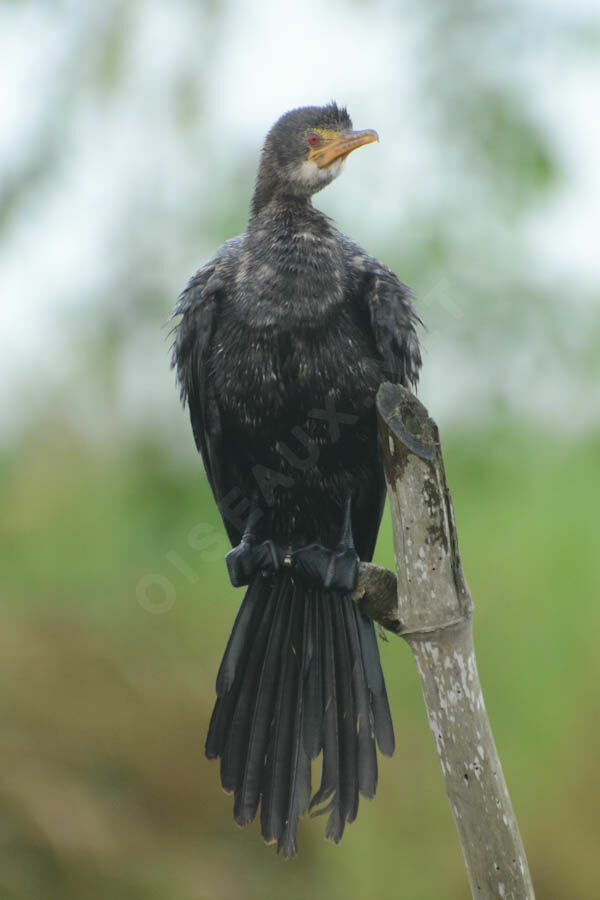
[(233, 760), (313, 700), (233, 664), (370, 654), (301, 674), (330, 770), (277, 767), (237, 644), (248, 793), (299, 769), (384, 731), (348, 744), (367, 755)]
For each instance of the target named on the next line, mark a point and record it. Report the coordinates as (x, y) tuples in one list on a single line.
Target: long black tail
[(300, 674)]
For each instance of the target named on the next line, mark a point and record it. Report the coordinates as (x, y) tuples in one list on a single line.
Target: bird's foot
[(335, 570), (248, 558), (332, 569)]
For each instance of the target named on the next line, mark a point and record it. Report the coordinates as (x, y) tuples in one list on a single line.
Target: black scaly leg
[(252, 554)]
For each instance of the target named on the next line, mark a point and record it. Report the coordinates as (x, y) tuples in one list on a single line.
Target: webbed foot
[(335, 570), (248, 558)]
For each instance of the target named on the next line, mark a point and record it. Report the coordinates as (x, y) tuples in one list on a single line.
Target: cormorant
[(284, 338)]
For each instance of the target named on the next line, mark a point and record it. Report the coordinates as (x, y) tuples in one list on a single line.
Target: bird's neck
[(283, 216), (267, 182), (271, 197), (293, 265), (272, 187)]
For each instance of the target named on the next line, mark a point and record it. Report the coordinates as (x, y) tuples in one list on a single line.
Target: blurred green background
[(129, 146)]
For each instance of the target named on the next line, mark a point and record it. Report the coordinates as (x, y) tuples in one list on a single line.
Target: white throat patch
[(309, 174)]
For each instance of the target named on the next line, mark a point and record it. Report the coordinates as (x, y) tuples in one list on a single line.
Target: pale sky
[(307, 53)]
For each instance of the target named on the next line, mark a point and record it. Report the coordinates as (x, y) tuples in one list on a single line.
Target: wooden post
[(430, 606)]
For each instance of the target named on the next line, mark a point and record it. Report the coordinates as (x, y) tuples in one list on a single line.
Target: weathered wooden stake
[(429, 605)]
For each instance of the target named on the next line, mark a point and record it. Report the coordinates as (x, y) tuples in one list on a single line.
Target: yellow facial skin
[(338, 144)]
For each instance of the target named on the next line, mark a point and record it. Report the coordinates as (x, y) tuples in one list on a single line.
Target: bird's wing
[(197, 305), (391, 312), (393, 320)]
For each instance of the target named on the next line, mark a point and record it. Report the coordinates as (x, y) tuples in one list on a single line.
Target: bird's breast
[(288, 278), (271, 375), (290, 337)]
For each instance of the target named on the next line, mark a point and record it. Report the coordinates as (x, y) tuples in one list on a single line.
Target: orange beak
[(340, 146)]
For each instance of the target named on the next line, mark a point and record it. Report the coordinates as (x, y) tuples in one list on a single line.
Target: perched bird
[(283, 340)]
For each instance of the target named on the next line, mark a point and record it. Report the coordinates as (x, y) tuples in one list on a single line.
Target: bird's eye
[(314, 139)]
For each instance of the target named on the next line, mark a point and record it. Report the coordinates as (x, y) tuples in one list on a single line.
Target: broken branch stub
[(432, 611)]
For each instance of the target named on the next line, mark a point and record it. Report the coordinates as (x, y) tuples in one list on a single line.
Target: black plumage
[(284, 338)]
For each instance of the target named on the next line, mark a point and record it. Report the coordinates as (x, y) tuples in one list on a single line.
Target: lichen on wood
[(429, 605)]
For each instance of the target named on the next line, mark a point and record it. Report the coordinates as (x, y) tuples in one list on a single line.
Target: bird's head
[(305, 150)]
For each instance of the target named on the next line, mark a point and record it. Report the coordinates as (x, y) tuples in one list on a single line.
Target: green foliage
[(116, 605), (106, 692)]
